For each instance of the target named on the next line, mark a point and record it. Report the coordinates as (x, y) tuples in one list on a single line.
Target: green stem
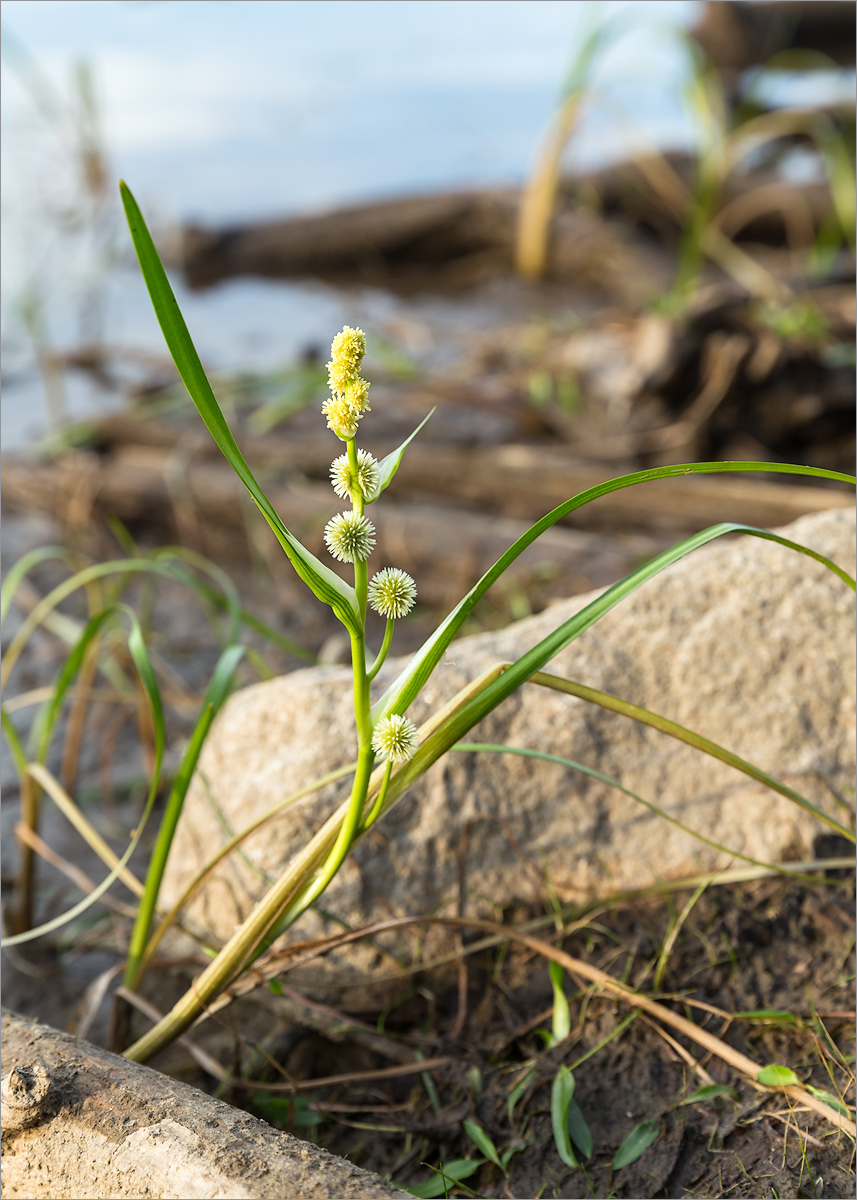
[(348, 832), (378, 806), (361, 571), (382, 653)]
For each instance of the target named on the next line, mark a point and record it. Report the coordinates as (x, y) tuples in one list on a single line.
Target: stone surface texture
[(744, 641), (115, 1129)]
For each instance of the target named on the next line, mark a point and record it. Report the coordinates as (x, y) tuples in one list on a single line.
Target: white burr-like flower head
[(392, 593), (342, 478), (395, 738), (349, 537)]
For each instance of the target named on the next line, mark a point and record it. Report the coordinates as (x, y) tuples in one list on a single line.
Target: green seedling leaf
[(636, 1144), (293, 1111), (389, 465), (446, 1177), (326, 585), (578, 1129), (506, 1156), (710, 1092), (517, 1092), (561, 1024), (834, 1101), (777, 1076), (562, 1090), (483, 1142)]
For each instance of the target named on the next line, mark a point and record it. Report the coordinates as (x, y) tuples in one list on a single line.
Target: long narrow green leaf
[(216, 693), (19, 758), (673, 729), (22, 568), (140, 656), (159, 564), (43, 726), (404, 690), (318, 577), (505, 684), (544, 756)]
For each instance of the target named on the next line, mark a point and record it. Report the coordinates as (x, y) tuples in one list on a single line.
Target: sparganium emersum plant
[(391, 753)]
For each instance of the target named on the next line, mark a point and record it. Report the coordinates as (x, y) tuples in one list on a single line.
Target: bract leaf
[(493, 693), (389, 464)]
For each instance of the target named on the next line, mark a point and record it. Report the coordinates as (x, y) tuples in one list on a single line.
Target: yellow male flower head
[(341, 417), (346, 354), (356, 394)]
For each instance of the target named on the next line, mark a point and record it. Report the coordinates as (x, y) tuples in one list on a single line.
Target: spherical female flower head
[(349, 537), (346, 354), (366, 483), (395, 739), (392, 593)]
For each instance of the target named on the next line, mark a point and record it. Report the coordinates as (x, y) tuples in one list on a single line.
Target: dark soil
[(768, 945)]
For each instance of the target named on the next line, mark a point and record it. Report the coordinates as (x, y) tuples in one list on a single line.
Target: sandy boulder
[(744, 641)]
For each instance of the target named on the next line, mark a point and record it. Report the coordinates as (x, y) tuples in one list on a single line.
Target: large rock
[(78, 1121), (744, 641)]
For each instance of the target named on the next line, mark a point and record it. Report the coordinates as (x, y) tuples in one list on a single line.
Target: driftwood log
[(455, 238), (78, 1121), (438, 241), (138, 461), (738, 36)]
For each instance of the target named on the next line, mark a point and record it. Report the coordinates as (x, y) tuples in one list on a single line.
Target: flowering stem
[(361, 571), (354, 468), (352, 823), (378, 806), (349, 830), (382, 653)]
